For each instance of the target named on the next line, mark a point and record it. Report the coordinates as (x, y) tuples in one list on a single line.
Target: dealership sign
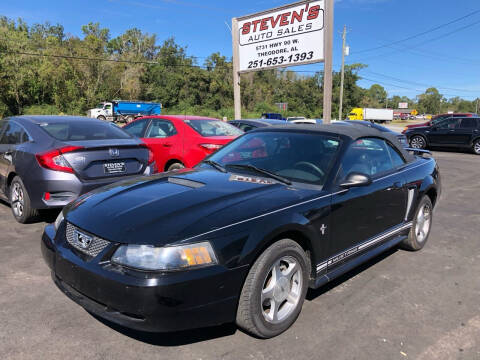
[(286, 36)]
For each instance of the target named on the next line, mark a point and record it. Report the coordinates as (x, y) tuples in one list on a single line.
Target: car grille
[(91, 245)]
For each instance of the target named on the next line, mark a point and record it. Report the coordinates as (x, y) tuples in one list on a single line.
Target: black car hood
[(165, 208)]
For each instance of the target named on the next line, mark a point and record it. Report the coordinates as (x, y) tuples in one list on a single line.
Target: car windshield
[(294, 156), (209, 128), (84, 130)]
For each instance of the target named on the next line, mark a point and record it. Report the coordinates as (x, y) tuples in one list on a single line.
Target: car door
[(361, 213), (164, 140), (441, 133), (464, 131), (13, 135), (3, 149)]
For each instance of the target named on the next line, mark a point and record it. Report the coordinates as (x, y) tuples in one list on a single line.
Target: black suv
[(460, 132)]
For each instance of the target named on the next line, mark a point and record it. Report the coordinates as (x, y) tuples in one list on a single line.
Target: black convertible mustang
[(244, 234)]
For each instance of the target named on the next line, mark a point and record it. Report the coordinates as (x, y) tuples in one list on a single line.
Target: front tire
[(274, 291), (20, 202), (476, 147), (101, 117), (418, 142), (422, 224)]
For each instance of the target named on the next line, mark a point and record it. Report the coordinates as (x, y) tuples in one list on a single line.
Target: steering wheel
[(311, 166)]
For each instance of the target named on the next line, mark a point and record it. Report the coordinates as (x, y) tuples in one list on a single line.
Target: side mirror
[(355, 179)]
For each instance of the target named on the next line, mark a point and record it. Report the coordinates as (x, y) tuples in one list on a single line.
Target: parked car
[(400, 137), (273, 116), (437, 118), (296, 118), (243, 235), (459, 132), (251, 124), (48, 161), (181, 141)]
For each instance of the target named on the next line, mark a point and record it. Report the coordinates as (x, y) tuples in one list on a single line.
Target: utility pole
[(344, 37), (476, 109)]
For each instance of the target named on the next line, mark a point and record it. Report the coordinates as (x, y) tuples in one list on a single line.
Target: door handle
[(167, 145)]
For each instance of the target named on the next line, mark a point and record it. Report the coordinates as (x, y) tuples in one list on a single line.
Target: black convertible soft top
[(351, 132)]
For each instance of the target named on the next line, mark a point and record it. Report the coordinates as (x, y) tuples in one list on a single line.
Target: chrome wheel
[(418, 142), (476, 147), (281, 290), (17, 199), (422, 227)]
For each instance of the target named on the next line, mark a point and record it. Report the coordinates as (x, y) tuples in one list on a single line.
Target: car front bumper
[(154, 302)]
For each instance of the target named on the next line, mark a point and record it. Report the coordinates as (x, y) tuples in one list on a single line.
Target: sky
[(447, 58)]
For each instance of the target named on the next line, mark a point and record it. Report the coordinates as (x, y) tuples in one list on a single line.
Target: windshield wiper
[(262, 171), (215, 165)]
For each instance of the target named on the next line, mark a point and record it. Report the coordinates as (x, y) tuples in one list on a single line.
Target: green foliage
[(132, 66)]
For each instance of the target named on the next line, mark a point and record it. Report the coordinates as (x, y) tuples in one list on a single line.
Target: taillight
[(53, 160), (211, 147)]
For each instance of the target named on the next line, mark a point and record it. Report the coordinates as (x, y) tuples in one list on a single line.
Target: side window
[(448, 123), (160, 129), (468, 123), (136, 128), (369, 156), (13, 134), (246, 127), (397, 159)]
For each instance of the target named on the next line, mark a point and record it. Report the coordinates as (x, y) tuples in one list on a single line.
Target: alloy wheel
[(422, 227), (18, 200), (417, 142), (476, 147), (281, 290)]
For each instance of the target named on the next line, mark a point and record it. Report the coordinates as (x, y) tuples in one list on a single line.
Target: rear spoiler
[(419, 152)]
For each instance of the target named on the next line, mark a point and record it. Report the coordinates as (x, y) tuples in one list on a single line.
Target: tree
[(377, 95), (430, 102)]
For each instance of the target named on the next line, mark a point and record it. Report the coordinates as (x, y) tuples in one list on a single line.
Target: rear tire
[(129, 119), (418, 142), (274, 291), (422, 224), (476, 147), (176, 166), (20, 202)]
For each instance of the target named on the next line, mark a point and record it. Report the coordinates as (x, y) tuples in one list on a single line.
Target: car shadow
[(176, 338), (312, 294), (47, 216), (452, 150)]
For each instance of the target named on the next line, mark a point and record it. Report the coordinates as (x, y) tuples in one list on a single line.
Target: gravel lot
[(402, 305)]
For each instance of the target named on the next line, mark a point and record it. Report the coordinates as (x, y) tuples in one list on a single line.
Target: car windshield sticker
[(251, 179)]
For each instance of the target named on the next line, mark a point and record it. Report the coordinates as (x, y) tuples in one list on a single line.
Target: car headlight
[(147, 257), (58, 220)]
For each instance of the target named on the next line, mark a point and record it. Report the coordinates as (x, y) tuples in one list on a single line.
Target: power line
[(412, 89), (420, 34), (419, 84)]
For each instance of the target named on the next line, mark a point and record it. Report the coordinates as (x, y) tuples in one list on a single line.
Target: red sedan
[(181, 141)]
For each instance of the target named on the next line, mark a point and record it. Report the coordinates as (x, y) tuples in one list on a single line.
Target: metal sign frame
[(327, 55)]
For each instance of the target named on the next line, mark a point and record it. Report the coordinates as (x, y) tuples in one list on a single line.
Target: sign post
[(327, 75), (296, 34), (237, 99)]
